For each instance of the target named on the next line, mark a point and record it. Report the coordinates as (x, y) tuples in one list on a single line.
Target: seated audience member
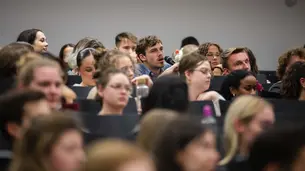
[(127, 42), (150, 52), (17, 108), (120, 61), (279, 149), (114, 88), (238, 82), (190, 40), (43, 75), (117, 155), (52, 142), (185, 50), (84, 43), (236, 59), (247, 117), (284, 62), (168, 92), (9, 55), (24, 59), (185, 145), (68, 94), (86, 67), (293, 84), (151, 125), (36, 38), (195, 69), (212, 51), (64, 52)]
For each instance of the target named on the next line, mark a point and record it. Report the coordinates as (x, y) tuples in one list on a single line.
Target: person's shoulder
[(210, 95), (166, 65)]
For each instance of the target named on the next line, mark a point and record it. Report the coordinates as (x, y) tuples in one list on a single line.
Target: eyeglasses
[(204, 71), (127, 69), (120, 86)]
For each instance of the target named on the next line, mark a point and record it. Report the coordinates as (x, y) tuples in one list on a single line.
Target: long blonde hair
[(244, 108), (151, 125)]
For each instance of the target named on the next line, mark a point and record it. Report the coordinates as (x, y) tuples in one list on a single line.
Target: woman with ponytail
[(246, 118)]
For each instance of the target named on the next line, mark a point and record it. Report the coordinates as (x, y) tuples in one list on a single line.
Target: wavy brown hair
[(284, 60), (204, 48), (291, 86)]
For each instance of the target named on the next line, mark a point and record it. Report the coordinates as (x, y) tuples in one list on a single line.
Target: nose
[(209, 75), (129, 51), (246, 66), (54, 90), (47, 44)]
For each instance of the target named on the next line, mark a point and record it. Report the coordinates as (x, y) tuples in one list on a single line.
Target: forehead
[(127, 42), (119, 78), (47, 73), (295, 58), (265, 114), (158, 45), (204, 64), (124, 61), (88, 61), (250, 79), (40, 35), (238, 57), (213, 48)]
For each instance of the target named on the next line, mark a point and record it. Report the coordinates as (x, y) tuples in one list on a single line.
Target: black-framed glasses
[(204, 71)]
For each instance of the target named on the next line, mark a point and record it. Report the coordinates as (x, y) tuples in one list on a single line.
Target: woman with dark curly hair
[(212, 51), (284, 62), (293, 84), (238, 82)]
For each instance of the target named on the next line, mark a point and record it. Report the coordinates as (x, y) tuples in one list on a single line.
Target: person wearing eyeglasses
[(212, 51), (196, 70), (114, 89)]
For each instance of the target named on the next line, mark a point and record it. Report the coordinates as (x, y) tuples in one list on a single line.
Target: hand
[(148, 81), (171, 70)]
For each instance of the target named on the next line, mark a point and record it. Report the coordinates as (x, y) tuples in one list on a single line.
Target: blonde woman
[(117, 155), (151, 125), (246, 118)]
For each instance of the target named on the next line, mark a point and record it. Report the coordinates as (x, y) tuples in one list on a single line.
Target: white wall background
[(268, 27)]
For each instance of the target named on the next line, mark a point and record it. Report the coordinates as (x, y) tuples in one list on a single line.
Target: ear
[(233, 91), (226, 71), (142, 57), (100, 90), (187, 74), (302, 82), (239, 126), (13, 129)]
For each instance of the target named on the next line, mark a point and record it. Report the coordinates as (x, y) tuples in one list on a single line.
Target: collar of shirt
[(143, 70)]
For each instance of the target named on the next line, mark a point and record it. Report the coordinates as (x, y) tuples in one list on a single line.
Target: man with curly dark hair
[(284, 62), (293, 84), (150, 52)]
